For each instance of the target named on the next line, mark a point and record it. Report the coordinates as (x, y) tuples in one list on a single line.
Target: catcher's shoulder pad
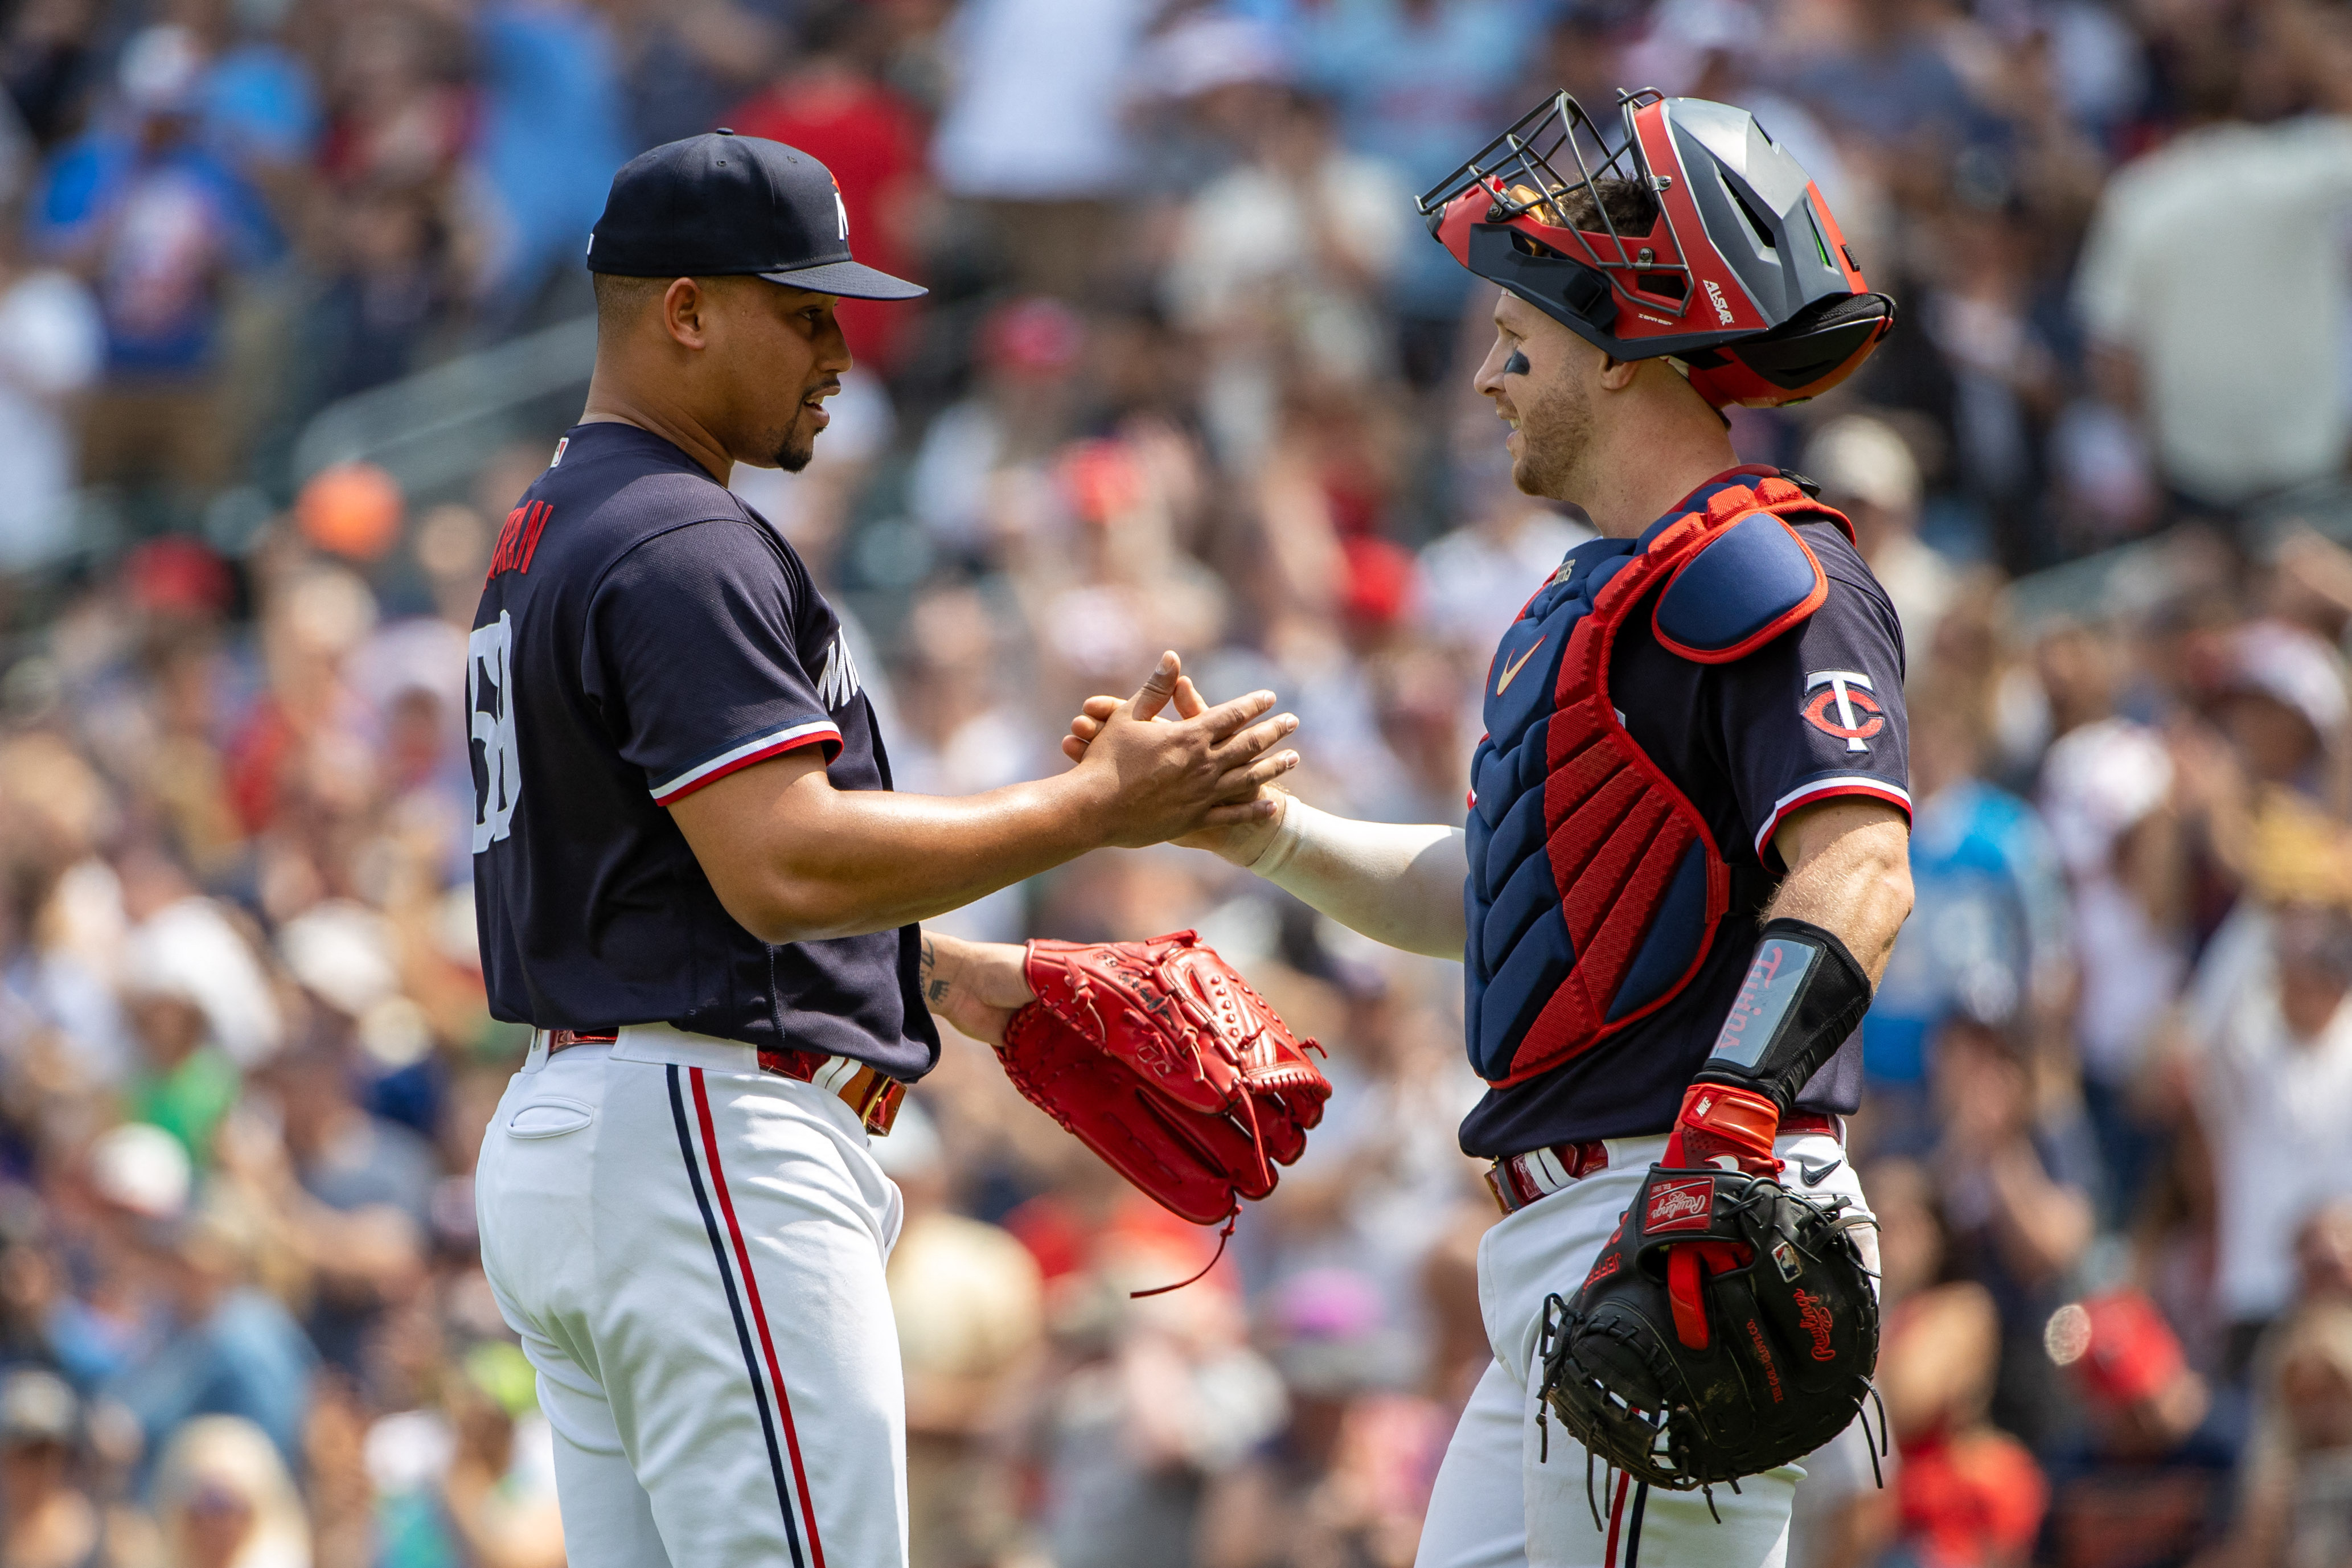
[(1753, 579)]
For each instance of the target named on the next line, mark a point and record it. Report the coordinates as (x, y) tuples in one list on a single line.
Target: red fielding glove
[(1731, 1128)]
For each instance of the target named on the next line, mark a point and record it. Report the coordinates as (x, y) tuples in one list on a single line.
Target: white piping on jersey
[(749, 751), (1843, 783)]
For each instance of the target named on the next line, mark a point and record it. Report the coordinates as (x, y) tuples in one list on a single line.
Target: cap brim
[(849, 280)]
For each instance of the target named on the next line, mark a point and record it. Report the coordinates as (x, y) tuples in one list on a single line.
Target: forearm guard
[(1802, 996)]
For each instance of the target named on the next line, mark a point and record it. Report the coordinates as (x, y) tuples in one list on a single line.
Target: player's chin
[(798, 447), (1524, 477)]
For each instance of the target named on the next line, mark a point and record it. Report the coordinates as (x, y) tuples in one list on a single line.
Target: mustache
[(830, 385)]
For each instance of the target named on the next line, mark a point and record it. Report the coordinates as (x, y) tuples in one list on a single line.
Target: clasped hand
[(1203, 772)]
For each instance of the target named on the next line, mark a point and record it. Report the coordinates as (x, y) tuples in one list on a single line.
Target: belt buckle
[(881, 1107)]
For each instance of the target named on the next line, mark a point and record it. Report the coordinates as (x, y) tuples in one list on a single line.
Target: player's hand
[(1242, 842), (1204, 770), (1730, 1129), (975, 985)]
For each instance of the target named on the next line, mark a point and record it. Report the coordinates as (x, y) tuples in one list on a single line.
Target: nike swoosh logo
[(1816, 1175), (1511, 670)]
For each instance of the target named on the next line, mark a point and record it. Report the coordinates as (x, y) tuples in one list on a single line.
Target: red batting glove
[(1731, 1128)]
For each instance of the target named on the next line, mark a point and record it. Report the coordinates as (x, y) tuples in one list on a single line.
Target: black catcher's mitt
[(1727, 1328)]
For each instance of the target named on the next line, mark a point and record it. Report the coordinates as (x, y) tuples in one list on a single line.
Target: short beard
[(795, 454), (1554, 430)]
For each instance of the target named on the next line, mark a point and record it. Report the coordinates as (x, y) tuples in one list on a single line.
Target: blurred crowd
[(1190, 376)]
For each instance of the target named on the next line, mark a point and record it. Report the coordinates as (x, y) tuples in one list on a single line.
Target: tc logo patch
[(1679, 1205), (1838, 702)]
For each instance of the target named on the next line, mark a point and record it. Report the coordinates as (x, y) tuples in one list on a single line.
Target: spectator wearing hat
[(1866, 470), (2145, 1484), (215, 1344), (2106, 794), (224, 1498)]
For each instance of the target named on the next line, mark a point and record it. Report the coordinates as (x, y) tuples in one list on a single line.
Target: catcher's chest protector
[(1595, 888)]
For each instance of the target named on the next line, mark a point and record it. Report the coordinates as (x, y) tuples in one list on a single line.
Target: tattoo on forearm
[(935, 986)]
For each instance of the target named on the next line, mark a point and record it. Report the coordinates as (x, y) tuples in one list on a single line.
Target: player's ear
[(686, 307), (1617, 374)]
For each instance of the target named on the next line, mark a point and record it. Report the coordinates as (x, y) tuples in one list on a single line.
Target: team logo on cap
[(840, 211), (1838, 702)]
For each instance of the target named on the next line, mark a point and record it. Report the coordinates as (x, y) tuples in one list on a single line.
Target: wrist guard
[(1802, 996)]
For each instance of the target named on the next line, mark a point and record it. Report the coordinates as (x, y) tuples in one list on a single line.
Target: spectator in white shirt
[(2215, 288), (2275, 1095), (51, 347)]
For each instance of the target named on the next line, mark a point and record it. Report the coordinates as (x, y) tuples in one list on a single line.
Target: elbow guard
[(1802, 996)]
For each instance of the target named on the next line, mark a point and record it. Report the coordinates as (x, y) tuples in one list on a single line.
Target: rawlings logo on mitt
[(1162, 1060), (1728, 1327)]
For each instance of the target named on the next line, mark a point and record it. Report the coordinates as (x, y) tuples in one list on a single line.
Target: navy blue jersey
[(644, 633), (1813, 715)]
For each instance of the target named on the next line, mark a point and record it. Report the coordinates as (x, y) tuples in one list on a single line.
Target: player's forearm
[(867, 860), (1397, 884), (1851, 875)]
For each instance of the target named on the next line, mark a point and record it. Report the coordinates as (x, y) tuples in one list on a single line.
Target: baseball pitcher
[(694, 881)]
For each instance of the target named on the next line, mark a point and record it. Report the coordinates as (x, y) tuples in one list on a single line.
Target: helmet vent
[(1763, 231)]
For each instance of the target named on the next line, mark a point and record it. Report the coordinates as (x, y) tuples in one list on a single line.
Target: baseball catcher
[(1685, 861)]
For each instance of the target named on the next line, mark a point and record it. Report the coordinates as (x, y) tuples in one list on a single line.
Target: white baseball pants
[(1498, 1504), (692, 1251)]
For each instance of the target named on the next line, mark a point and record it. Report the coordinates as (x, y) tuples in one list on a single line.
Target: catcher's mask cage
[(1743, 278)]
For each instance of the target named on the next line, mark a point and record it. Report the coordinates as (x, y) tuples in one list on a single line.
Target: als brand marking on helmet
[(1511, 670), (1858, 717), (1679, 1205), (1715, 295)]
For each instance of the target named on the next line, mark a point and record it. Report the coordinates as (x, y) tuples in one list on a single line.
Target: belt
[(872, 1094), (1518, 1180)]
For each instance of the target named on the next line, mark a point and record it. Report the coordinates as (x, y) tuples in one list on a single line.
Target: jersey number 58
[(489, 708)]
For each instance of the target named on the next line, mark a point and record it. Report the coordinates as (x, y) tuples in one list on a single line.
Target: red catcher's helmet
[(1743, 275)]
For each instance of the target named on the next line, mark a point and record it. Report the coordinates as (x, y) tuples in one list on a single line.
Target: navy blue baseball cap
[(720, 205)]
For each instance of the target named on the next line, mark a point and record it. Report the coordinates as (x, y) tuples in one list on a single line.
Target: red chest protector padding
[(1595, 888)]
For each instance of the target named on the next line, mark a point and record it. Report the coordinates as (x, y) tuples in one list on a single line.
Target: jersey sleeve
[(691, 651), (1818, 713)]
